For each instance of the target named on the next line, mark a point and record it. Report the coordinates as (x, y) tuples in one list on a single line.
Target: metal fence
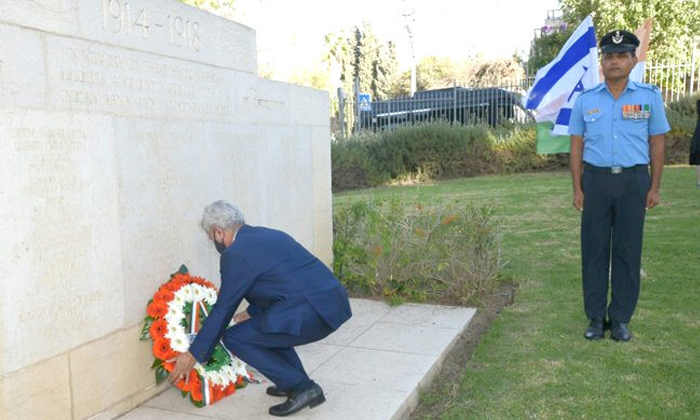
[(492, 105), (675, 79), (496, 104)]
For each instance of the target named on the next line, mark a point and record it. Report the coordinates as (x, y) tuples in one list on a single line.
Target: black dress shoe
[(619, 331), (295, 402), (596, 329), (276, 392)]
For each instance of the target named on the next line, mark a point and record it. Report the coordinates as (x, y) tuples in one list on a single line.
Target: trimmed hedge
[(434, 151)]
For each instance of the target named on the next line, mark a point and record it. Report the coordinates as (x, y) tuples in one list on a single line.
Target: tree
[(432, 72), (497, 73), (363, 55), (545, 49), (676, 22), (441, 72)]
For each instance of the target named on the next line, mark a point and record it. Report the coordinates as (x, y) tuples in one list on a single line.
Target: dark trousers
[(272, 354), (612, 226)]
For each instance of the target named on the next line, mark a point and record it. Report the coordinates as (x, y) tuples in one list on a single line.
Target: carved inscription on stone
[(58, 231), (134, 18), (94, 78)]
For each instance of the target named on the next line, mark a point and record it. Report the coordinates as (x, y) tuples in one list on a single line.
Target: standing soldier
[(617, 129)]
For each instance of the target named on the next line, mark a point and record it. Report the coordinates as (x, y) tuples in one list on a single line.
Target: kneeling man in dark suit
[(294, 299)]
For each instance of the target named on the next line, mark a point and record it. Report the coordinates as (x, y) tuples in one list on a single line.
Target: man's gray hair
[(221, 214)]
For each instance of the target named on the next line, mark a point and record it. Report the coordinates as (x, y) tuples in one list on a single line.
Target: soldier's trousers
[(612, 226)]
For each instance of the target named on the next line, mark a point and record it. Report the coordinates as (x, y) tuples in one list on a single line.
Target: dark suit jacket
[(281, 281)]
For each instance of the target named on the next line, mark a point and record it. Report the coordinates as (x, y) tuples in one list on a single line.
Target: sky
[(290, 33)]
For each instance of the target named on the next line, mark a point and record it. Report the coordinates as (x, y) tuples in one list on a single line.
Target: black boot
[(596, 329), (296, 401), (619, 331)]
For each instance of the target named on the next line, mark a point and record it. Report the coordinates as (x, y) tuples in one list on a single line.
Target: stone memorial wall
[(119, 121)]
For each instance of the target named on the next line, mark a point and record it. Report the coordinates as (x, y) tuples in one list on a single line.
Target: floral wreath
[(175, 314)]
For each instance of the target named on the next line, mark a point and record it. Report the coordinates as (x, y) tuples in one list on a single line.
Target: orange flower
[(162, 350), (217, 393), (163, 295), (195, 382), (159, 328), (231, 389), (181, 385), (203, 282), (196, 393), (157, 309), (168, 366), (239, 381)]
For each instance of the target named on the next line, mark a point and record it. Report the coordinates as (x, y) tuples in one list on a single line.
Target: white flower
[(176, 329), (217, 378), (210, 296), (184, 294), (228, 373), (180, 343), (178, 300), (175, 313), (197, 292)]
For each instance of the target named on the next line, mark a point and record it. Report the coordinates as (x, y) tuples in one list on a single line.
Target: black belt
[(614, 169)]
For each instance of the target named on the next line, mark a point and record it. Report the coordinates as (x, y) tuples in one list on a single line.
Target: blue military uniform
[(615, 183), (294, 299)]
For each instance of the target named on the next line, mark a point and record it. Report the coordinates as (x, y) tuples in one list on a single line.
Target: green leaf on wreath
[(184, 394), (145, 331), (161, 375), (218, 359), (156, 363), (183, 269)]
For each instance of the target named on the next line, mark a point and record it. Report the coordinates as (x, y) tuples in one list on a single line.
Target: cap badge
[(617, 38)]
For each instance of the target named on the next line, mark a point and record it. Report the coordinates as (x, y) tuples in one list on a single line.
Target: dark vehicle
[(491, 106)]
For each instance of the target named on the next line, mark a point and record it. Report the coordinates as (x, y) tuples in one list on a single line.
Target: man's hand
[(652, 199), (578, 200), (241, 317), (183, 367), (576, 166)]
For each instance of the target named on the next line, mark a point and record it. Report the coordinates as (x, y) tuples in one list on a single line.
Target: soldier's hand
[(653, 199), (578, 200)]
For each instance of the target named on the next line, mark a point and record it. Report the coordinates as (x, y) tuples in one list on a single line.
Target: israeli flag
[(559, 83)]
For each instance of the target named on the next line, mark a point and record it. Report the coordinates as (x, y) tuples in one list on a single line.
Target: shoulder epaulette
[(648, 86), (591, 89)]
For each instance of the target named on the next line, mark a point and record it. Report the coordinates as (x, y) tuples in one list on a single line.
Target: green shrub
[(517, 147), (354, 163), (395, 249), (441, 150), (682, 116)]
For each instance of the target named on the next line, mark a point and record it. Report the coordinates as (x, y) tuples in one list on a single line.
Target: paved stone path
[(370, 369)]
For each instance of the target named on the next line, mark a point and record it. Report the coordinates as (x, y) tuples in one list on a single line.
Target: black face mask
[(220, 247)]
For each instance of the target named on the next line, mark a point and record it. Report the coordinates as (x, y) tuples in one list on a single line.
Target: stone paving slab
[(370, 369)]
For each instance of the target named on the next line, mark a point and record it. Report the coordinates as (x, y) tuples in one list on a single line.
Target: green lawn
[(534, 362)]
